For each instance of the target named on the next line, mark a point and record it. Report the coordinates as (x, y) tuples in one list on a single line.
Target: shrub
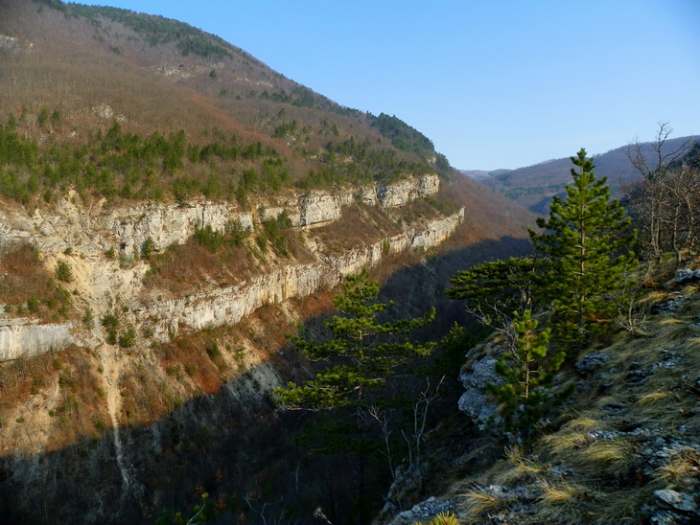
[(127, 338), (43, 117), (386, 247), (236, 233), (209, 238), (64, 272), (261, 241), (33, 305), (213, 350), (88, 319), (147, 248), (275, 233), (110, 321)]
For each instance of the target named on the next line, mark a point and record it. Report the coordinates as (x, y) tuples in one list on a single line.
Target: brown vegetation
[(27, 288)]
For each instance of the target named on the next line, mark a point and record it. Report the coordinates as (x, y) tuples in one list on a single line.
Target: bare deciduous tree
[(664, 199)]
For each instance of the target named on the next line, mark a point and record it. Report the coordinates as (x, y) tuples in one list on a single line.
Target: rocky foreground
[(623, 448)]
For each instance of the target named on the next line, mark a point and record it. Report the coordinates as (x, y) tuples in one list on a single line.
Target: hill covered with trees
[(533, 187)]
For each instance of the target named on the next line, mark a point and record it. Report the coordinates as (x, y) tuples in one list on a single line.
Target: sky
[(494, 84)]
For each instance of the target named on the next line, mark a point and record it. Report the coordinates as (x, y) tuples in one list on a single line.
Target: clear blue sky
[(493, 83)]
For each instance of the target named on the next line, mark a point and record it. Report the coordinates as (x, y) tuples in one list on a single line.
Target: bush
[(127, 339), (111, 336), (110, 321), (64, 272), (147, 248), (274, 231), (213, 350), (43, 117), (88, 319), (236, 233), (33, 305), (209, 238)]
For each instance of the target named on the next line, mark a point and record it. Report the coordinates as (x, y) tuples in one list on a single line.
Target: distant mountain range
[(533, 187)]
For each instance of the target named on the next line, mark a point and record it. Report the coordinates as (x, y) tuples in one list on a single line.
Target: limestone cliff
[(83, 235)]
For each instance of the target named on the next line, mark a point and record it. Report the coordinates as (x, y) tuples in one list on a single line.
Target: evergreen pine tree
[(494, 290), (587, 245), (526, 371), (360, 355)]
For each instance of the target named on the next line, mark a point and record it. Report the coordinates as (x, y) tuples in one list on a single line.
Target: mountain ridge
[(534, 186)]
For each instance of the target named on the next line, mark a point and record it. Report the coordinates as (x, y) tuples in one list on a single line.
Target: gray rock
[(664, 517), (676, 500), (591, 362), (474, 401), (670, 305), (406, 484), (424, 510), (686, 275)]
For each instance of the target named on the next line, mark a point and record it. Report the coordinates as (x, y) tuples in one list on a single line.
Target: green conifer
[(526, 370), (587, 246), (360, 355)]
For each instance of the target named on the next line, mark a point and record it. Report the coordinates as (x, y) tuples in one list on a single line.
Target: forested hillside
[(533, 187)]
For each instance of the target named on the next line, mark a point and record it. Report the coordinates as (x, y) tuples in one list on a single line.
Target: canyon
[(81, 236)]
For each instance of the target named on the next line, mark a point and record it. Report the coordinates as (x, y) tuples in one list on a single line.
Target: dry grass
[(683, 465), (443, 518), (609, 458), (190, 267), (359, 226), (599, 478), (518, 468), (652, 398), (27, 288), (479, 502), (50, 401)]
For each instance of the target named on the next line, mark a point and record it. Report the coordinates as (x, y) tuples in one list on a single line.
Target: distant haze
[(534, 186)]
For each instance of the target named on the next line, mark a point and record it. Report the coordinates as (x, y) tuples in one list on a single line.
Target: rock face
[(229, 305), (87, 234), (168, 224), (423, 511), (319, 207), (94, 230), (686, 275), (676, 500), (23, 338), (474, 402), (404, 191)]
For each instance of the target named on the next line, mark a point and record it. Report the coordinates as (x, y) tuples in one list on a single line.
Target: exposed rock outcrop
[(475, 402), (24, 338), (686, 275), (229, 305), (92, 230), (425, 510), (86, 234)]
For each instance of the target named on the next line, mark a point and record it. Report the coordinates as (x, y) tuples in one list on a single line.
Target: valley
[(226, 298)]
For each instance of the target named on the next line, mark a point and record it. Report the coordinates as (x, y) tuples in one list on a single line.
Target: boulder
[(423, 511), (676, 500), (475, 401), (686, 275), (591, 362)]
